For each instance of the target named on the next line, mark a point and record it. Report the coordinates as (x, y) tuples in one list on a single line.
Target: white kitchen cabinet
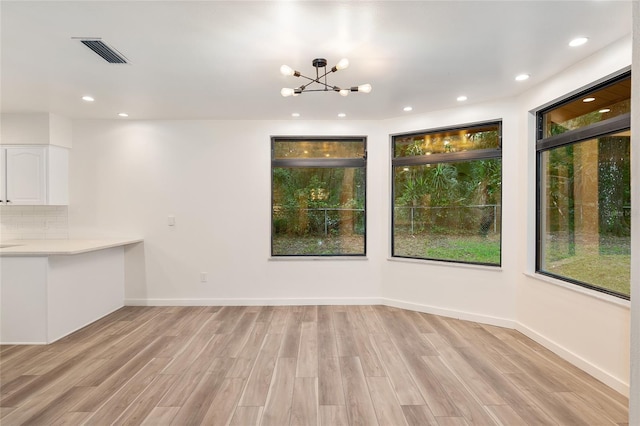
[(34, 175)]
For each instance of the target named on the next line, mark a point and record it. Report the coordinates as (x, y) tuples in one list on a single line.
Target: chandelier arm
[(321, 79)]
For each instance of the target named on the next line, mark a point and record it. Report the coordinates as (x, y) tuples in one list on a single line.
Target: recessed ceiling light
[(342, 115), (407, 109), (123, 114), (578, 41), (604, 110), (88, 98), (522, 77), (295, 114), (461, 98), (588, 99)]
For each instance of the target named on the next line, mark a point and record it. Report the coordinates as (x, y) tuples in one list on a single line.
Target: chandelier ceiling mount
[(320, 64)]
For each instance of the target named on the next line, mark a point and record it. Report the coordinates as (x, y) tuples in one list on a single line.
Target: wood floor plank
[(403, 384), (277, 409), (371, 319), (308, 351), (192, 349), (121, 376), (386, 405), (197, 404), (110, 410), (330, 382), (357, 398), (246, 416), (266, 314), (505, 415), (466, 402), (310, 314), (241, 334), (223, 405), (419, 415), (147, 400), (327, 344), (304, 409), (186, 383), (278, 320), (452, 421), (430, 388), (257, 388), (333, 415), (56, 408), (160, 416), (512, 395), (325, 319), (371, 364), (70, 419), (465, 372)]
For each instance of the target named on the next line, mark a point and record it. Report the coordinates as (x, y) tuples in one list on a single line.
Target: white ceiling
[(221, 60)]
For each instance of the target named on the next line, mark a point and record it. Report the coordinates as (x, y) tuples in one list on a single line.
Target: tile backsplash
[(34, 222)]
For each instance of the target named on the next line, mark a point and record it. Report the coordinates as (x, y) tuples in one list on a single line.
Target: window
[(318, 196), (584, 197), (447, 194)]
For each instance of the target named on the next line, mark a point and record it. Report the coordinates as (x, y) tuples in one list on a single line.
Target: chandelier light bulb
[(344, 63), (286, 91), (344, 92), (364, 88), (286, 70)]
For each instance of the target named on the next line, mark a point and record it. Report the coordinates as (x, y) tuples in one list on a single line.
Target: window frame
[(599, 129), (461, 156), (319, 163)]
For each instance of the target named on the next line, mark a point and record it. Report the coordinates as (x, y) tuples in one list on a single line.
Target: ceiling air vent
[(107, 53)]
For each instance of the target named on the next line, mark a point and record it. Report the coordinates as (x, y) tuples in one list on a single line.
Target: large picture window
[(447, 194), (318, 196), (584, 197)]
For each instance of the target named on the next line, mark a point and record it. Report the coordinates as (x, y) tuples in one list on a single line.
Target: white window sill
[(446, 264), (579, 289), (314, 258)]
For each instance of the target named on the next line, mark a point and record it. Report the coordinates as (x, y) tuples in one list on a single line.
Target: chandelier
[(320, 80)]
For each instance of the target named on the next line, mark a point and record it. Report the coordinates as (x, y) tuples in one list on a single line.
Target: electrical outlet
[(203, 277)]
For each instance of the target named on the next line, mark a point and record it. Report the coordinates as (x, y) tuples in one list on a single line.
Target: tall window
[(447, 194), (584, 197), (318, 196)]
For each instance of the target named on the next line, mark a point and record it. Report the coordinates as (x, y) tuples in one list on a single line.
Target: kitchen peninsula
[(51, 288)]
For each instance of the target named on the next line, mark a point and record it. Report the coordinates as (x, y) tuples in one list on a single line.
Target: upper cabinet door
[(26, 176)]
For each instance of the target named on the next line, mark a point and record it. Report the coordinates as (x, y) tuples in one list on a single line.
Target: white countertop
[(60, 247)]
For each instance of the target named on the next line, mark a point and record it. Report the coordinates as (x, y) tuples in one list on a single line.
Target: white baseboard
[(606, 378), (450, 313), (255, 302)]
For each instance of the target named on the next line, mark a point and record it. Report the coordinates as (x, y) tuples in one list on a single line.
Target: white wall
[(484, 294), (35, 129), (587, 328), (634, 403), (214, 177)]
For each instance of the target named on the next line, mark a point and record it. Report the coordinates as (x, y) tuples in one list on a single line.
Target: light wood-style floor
[(311, 365)]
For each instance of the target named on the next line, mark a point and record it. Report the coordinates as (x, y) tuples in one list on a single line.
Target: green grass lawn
[(611, 272), (472, 248)]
